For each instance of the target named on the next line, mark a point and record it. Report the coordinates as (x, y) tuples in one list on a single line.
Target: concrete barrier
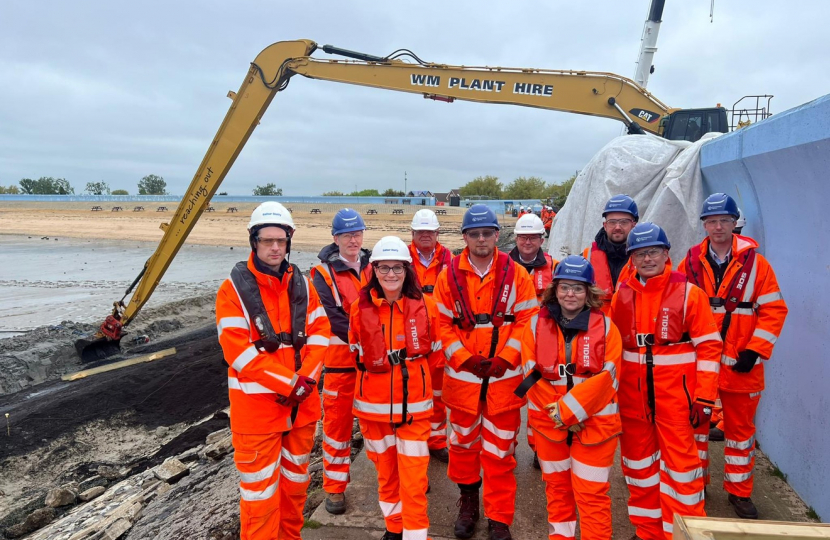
[(779, 171)]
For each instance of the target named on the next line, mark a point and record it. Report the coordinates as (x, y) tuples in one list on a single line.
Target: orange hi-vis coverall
[(659, 457), (271, 452), (602, 273), (337, 286), (427, 277), (576, 466), (755, 328), (483, 431), (394, 407)]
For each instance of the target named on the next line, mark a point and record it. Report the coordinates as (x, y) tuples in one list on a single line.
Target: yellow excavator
[(582, 92)]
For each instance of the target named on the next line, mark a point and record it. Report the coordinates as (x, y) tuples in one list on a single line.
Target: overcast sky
[(114, 91)]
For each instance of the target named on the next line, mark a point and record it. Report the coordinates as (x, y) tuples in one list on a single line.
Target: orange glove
[(497, 367), (302, 389)]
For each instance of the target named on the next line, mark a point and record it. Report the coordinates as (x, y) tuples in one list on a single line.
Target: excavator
[(581, 92)]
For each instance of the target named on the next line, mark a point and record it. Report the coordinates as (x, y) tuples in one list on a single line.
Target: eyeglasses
[(652, 253), (621, 222), (528, 237), (488, 233), (383, 269), (723, 222), (351, 236), (269, 242), (564, 288)]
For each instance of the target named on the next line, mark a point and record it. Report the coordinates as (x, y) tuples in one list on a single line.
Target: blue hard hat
[(479, 215), (621, 203), (718, 204), (575, 267), (347, 220), (646, 235)]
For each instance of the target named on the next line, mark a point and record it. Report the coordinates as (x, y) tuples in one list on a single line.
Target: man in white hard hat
[(430, 258), (274, 334)]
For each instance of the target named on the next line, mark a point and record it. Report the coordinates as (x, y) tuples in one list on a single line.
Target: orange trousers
[(338, 422), (401, 457), (577, 476), (487, 442), (664, 475), (273, 472), (438, 422), (739, 441), (702, 438)]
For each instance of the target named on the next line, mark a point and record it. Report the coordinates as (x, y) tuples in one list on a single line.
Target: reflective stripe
[(291, 476), (317, 340), (293, 458), (739, 460), (504, 434), (334, 340), (285, 380), (437, 393), (379, 446), (527, 304), (749, 291), (452, 348), (464, 430), (336, 460), (770, 297), (332, 393), (688, 500), (631, 356), (260, 475), (682, 477), (640, 464), (611, 408), (487, 446), (337, 445), (390, 508), (550, 467), (714, 336), (735, 478), (562, 528), (252, 495), (397, 408), (754, 394), (590, 472), (314, 315), (611, 368), (248, 388), (334, 475), (245, 358), (514, 343), (231, 322), (650, 481), (740, 445), (532, 406), (437, 346), (454, 441), (645, 512), (668, 527), (663, 359), (412, 448), (702, 437), (766, 336), (702, 454), (464, 376), (415, 534), (533, 321), (575, 407), (708, 365), (510, 373), (738, 311), (442, 309)]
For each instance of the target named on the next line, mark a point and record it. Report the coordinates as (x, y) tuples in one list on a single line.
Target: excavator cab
[(691, 124)]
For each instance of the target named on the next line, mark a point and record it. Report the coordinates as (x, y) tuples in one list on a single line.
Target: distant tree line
[(366, 193), (47, 185), (520, 188)]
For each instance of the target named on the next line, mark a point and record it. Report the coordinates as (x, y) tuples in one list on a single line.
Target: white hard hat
[(425, 220), (271, 213), (529, 224), (741, 222), (390, 248)]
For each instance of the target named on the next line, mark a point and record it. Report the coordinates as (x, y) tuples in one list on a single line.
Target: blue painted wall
[(414, 201), (779, 171)]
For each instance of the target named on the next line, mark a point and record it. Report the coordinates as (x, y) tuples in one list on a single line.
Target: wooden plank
[(701, 528), (118, 365)]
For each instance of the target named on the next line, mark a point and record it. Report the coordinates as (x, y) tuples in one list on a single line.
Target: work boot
[(536, 464), (336, 503), (497, 530), (441, 454), (715, 434), (465, 524), (743, 507), (391, 536)]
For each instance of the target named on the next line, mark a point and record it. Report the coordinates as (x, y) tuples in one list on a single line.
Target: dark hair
[(593, 298), (411, 286)]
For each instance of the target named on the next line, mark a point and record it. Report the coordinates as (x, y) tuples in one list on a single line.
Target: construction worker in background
[(430, 258), (485, 301), (274, 333), (528, 253), (343, 270), (547, 219), (668, 384), (572, 402), (607, 254), (749, 311), (740, 223), (394, 331)]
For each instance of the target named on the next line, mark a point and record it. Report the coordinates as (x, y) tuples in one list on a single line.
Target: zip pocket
[(688, 397), (423, 382), (362, 373)]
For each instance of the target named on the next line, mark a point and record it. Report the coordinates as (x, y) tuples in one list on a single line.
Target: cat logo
[(643, 114)]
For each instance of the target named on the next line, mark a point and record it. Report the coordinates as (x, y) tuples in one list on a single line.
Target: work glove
[(746, 361), (477, 365), (576, 428), (498, 366), (553, 412), (700, 414), (302, 389)]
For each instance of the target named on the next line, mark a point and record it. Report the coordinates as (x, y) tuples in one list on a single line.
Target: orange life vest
[(345, 289), (602, 270), (505, 269), (376, 355), (587, 359), (670, 323), (543, 275)]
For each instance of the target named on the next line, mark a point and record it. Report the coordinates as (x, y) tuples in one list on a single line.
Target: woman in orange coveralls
[(571, 355), (393, 328)]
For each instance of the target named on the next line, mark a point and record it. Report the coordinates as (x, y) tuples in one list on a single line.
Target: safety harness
[(466, 320), (669, 322), (269, 339), (694, 271), (343, 288), (374, 354)]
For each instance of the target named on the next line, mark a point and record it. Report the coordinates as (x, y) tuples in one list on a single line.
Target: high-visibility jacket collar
[(270, 279), (739, 245), (465, 265), (653, 284), (440, 255), (331, 254), (538, 261)]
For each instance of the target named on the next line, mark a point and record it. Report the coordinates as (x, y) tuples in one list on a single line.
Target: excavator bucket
[(97, 347)]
